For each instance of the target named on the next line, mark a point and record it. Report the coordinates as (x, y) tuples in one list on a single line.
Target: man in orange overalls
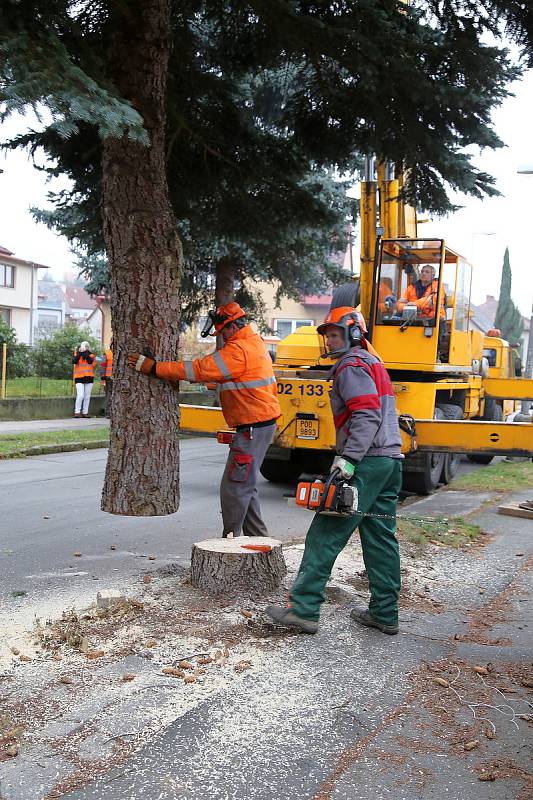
[(248, 397)]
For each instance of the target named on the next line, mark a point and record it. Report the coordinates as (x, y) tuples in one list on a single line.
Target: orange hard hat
[(343, 317), (221, 317)]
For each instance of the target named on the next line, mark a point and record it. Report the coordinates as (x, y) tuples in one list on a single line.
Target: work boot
[(86, 416), (287, 618), (77, 416), (366, 618)]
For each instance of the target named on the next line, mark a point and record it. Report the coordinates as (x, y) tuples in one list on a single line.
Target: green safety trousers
[(378, 480)]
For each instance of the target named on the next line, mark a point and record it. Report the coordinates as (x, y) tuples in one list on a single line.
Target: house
[(485, 314), (51, 308), (18, 294), (80, 305)]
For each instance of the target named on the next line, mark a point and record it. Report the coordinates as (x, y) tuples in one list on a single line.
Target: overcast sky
[(508, 218)]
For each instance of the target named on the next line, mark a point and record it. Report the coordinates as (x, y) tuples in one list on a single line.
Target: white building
[(18, 293)]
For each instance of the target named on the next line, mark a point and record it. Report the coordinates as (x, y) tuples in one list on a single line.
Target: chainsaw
[(332, 495)]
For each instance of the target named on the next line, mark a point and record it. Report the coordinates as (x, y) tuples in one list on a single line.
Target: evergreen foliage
[(508, 318), (18, 361)]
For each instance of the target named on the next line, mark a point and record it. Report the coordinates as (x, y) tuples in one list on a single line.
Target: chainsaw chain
[(403, 516)]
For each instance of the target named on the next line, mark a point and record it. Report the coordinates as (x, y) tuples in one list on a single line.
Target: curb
[(44, 449)]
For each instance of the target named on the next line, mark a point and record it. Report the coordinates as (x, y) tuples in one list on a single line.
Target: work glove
[(141, 363), (345, 466)]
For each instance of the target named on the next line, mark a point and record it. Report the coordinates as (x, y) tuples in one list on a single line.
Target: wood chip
[(480, 670), (487, 776), (151, 643), (205, 660), (128, 676), (241, 666), (136, 603), (190, 679), (151, 558), (471, 745), (24, 658), (66, 680), (489, 733), (185, 665), (77, 554), (173, 672), (147, 579), (246, 613), (15, 651), (441, 681), (57, 657), (527, 682), (12, 750), (92, 654)]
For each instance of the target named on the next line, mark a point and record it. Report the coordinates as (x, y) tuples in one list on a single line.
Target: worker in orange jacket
[(423, 294), (106, 378), (242, 368)]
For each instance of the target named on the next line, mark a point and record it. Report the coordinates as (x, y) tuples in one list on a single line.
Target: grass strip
[(453, 532), (504, 476), (13, 445)]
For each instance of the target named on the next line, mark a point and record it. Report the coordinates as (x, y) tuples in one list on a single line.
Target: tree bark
[(225, 567), (144, 256), (224, 281)]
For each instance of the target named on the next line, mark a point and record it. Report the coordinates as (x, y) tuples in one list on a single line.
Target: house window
[(283, 327), (7, 275), (5, 315)]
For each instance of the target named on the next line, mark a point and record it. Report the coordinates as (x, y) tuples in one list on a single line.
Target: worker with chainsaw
[(242, 368), (369, 460), (423, 294)]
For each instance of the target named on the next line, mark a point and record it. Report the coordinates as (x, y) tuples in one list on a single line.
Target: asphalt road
[(51, 509)]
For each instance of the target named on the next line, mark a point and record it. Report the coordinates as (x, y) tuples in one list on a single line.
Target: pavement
[(349, 714), (38, 425)]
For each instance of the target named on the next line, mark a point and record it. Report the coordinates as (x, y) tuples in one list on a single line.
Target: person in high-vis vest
[(242, 368), (369, 457), (84, 363), (423, 294), (106, 378)]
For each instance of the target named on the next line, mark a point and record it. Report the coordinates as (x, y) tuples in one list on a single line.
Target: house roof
[(317, 300), (77, 297), (50, 292), (4, 251)]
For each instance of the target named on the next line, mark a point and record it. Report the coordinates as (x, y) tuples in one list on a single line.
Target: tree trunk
[(224, 281), (226, 567), (144, 255)]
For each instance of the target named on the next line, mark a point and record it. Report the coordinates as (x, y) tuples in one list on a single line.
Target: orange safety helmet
[(351, 322), (221, 317)]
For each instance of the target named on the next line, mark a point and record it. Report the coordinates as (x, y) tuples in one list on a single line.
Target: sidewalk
[(35, 425), (444, 710)]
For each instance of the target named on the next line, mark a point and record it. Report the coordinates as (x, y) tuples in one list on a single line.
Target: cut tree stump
[(227, 567)]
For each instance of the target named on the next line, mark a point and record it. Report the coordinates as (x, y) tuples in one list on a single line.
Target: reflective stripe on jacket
[(106, 365), (242, 369), (82, 369)]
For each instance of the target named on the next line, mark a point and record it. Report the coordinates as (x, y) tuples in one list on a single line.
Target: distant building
[(485, 314), (19, 294), (51, 308)]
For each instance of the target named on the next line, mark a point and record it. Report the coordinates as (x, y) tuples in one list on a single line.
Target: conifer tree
[(508, 318), (159, 87)]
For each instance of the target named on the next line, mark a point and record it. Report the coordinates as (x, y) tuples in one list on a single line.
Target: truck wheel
[(493, 411), (347, 294), (429, 469), (451, 460), (277, 471)]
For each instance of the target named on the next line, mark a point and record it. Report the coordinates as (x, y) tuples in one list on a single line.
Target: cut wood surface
[(227, 566), (515, 511)]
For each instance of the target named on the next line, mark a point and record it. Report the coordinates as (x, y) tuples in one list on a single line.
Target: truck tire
[(277, 471), (347, 294), (451, 460), (493, 412), (429, 469)]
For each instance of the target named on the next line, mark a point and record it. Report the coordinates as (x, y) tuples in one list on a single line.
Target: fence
[(41, 370)]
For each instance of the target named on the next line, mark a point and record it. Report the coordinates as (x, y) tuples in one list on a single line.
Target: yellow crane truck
[(450, 381)]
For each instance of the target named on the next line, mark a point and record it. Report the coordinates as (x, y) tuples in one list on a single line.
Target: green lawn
[(14, 444), (454, 532), (44, 387), (500, 477)]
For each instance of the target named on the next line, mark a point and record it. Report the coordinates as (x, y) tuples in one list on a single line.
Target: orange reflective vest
[(83, 369), (425, 304), (106, 365), (243, 371)]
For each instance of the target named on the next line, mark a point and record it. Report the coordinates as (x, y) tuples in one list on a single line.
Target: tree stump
[(228, 567)]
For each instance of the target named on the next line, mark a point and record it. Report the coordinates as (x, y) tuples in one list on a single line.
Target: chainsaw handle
[(329, 481)]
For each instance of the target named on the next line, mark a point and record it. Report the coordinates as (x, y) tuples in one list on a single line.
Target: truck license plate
[(307, 429)]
